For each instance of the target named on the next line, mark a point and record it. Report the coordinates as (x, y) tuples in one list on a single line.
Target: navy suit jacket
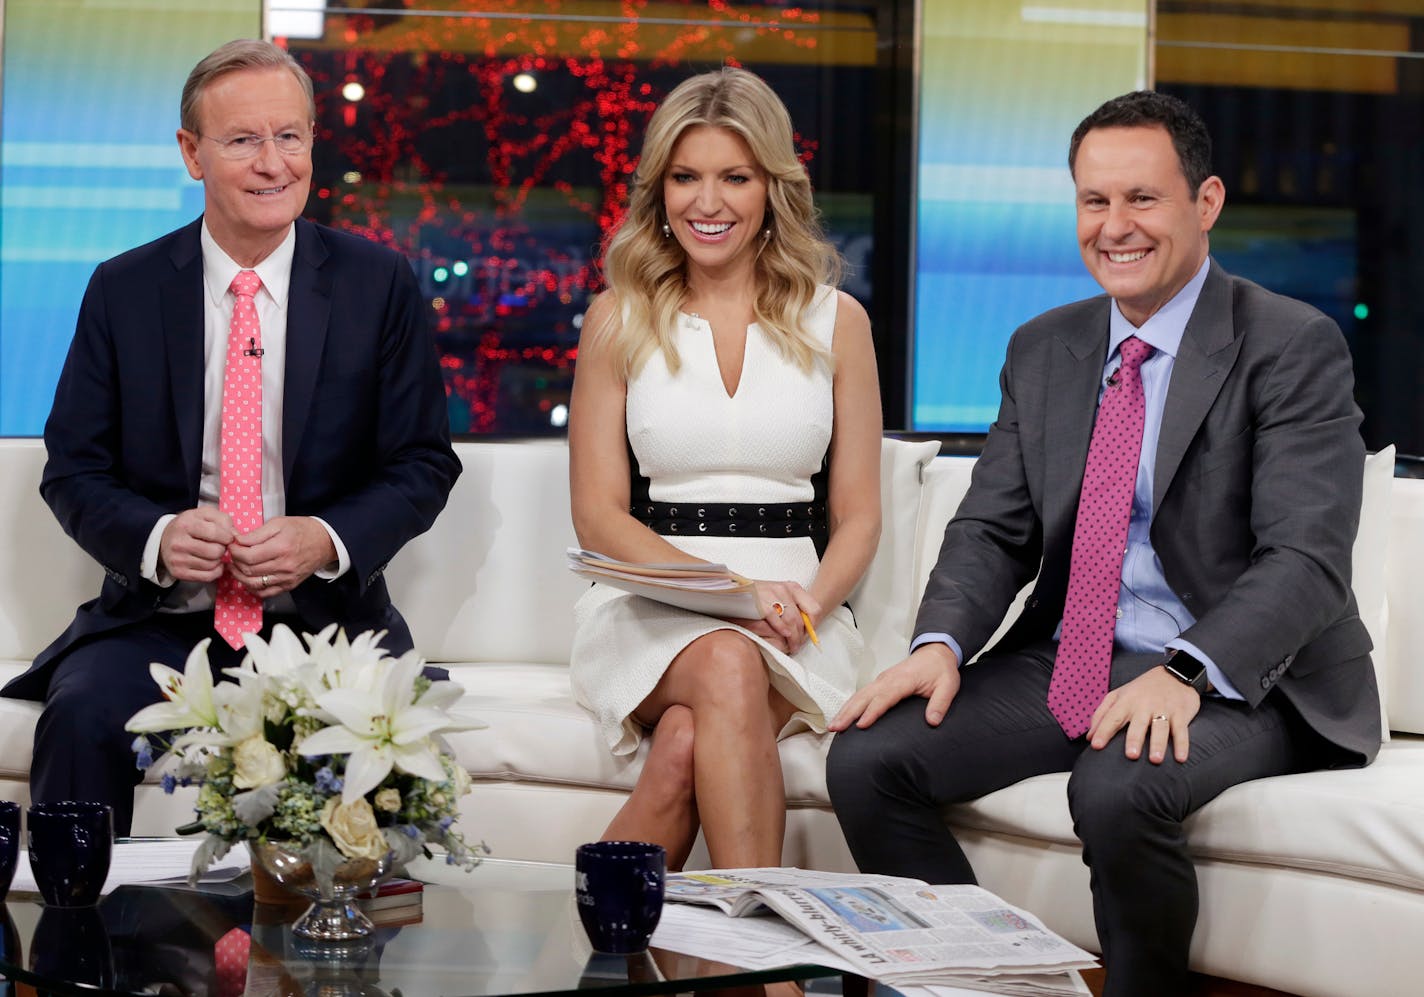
[(1255, 496), (365, 431)]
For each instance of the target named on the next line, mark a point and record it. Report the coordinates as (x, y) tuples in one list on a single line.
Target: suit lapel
[(1075, 369), (1208, 350), (181, 304), (308, 314)]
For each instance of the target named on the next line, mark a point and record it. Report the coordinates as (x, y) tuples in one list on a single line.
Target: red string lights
[(493, 241)]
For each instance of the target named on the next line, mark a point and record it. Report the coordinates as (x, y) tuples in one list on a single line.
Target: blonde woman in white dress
[(723, 359)]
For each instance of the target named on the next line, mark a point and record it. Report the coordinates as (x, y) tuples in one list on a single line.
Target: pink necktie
[(230, 956), (1081, 670), (236, 611)]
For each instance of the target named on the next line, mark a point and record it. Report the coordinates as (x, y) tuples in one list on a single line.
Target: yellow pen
[(810, 630)]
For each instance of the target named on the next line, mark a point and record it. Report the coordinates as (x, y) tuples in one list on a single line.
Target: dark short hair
[(239, 54), (1148, 109)]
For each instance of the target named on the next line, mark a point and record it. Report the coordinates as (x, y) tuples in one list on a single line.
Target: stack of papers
[(918, 938), (148, 860), (710, 589)]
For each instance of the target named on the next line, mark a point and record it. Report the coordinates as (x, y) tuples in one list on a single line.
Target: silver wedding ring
[(1159, 716)]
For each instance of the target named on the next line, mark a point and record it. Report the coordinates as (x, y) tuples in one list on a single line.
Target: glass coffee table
[(507, 927)]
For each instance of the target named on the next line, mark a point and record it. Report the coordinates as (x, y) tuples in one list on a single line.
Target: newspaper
[(900, 931)]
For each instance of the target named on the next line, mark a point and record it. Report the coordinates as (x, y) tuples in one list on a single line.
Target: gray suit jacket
[(1256, 499)]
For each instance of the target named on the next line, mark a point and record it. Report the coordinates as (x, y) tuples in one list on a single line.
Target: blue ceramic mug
[(71, 844), (619, 887), (9, 843)]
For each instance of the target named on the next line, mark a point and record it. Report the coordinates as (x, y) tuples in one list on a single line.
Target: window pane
[(1316, 109)]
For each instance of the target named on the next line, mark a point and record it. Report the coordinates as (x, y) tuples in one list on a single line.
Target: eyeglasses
[(288, 143)]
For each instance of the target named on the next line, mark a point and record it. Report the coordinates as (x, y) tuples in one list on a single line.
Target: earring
[(667, 230), (766, 233)]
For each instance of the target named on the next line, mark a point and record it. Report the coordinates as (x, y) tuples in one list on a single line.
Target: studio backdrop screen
[(1003, 83), (89, 164)]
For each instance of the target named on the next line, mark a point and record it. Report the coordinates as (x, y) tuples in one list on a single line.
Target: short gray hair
[(242, 53)]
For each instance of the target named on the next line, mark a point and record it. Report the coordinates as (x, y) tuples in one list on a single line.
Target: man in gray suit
[(1231, 648)]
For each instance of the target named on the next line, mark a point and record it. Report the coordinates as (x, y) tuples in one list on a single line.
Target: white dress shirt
[(218, 301)]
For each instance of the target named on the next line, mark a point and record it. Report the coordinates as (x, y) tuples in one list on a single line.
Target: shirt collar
[(276, 270), (1164, 330)]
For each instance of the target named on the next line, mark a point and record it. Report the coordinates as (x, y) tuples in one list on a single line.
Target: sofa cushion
[(1367, 578), (17, 728), (1360, 823), (1405, 539), (43, 574), (886, 599), (489, 582)]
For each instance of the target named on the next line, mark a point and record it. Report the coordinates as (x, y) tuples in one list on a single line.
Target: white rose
[(461, 779), (353, 828), (388, 800), (256, 763)]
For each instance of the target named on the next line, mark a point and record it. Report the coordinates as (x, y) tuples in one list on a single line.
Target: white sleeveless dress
[(696, 444)]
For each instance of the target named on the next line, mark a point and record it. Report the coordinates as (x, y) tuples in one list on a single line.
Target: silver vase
[(334, 915)]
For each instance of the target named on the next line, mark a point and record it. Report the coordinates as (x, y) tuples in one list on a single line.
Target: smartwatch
[(1187, 670)]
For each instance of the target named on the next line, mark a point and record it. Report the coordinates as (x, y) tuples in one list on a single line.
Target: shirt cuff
[(149, 567), (939, 638), (1220, 684), (343, 560)]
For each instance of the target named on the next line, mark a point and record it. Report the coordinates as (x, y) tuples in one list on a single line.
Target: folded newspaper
[(710, 589), (903, 932)]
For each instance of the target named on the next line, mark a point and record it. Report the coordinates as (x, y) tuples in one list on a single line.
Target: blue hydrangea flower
[(327, 781), (169, 783), (144, 752)]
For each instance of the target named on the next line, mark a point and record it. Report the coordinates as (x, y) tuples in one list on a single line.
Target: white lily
[(347, 663), (384, 728), (188, 696), (240, 705), (279, 657)]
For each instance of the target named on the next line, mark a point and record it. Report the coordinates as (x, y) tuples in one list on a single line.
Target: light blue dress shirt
[(1149, 615)]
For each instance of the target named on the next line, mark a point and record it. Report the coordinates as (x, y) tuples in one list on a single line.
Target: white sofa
[(1310, 884)]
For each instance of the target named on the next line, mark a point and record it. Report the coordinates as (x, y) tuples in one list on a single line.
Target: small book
[(393, 893), (710, 589)]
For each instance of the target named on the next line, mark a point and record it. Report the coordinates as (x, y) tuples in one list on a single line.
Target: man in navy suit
[(355, 448)]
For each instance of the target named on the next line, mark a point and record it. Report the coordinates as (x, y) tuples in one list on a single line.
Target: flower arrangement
[(334, 748)]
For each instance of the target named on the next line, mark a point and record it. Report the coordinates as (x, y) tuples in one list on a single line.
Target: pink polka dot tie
[(236, 611), (230, 963), (1084, 662)]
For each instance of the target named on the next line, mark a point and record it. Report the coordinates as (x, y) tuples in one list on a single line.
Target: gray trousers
[(889, 782)]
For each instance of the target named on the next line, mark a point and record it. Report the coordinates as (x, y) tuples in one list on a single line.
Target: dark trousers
[(889, 782)]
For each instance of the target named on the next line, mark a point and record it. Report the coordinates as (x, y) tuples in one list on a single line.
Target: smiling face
[(249, 203), (1141, 233), (714, 194)]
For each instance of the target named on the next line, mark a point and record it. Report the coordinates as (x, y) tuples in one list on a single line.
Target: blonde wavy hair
[(647, 271)]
